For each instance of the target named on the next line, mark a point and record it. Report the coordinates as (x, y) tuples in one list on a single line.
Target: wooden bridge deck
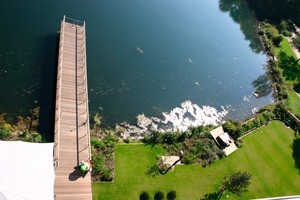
[(72, 133)]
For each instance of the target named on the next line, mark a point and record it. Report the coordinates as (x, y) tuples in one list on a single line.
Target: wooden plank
[(73, 141)]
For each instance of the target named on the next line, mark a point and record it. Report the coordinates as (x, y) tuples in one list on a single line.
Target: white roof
[(26, 171)]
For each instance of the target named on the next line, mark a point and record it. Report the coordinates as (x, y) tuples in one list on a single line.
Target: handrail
[(86, 86), (81, 81), (58, 91)]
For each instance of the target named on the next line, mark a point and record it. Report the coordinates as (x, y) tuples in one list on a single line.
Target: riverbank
[(21, 128)]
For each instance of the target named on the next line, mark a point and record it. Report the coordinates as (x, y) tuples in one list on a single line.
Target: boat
[(255, 94), (139, 50), (190, 61)]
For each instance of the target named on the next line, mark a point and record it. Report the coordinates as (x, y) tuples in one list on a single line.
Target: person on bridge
[(85, 166)]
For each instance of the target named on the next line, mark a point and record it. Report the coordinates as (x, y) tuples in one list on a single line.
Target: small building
[(224, 140)]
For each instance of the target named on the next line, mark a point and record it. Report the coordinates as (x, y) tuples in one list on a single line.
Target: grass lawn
[(294, 102), (285, 46), (266, 154)]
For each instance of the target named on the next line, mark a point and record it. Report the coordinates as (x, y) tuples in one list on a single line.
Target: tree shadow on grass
[(211, 196), (290, 66), (296, 152)]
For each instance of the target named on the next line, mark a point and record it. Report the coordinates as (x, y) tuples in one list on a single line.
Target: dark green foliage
[(102, 157), (182, 137), (276, 10), (189, 158), (196, 143), (5, 131), (290, 66), (107, 175), (97, 161), (239, 143), (145, 196), (97, 143), (159, 195), (110, 139), (126, 140), (171, 195), (169, 138), (234, 128), (283, 26), (237, 182), (296, 151), (153, 171), (286, 33), (154, 138), (277, 40)]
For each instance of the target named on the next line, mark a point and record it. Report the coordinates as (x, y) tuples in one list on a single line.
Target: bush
[(286, 33), (145, 196), (159, 195), (169, 138), (239, 143), (5, 131), (126, 140), (234, 128), (261, 32), (189, 159), (97, 143), (171, 195), (97, 161), (277, 40), (107, 175)]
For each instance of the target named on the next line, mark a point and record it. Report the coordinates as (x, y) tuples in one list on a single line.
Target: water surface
[(191, 51)]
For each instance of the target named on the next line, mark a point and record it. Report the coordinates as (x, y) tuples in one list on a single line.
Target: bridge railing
[(73, 21), (83, 75), (58, 94)]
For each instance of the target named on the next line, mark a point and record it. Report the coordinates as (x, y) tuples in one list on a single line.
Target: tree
[(234, 128), (145, 196), (277, 40), (159, 195), (171, 195), (237, 182)]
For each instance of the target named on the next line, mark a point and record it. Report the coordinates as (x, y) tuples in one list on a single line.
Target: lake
[(199, 59)]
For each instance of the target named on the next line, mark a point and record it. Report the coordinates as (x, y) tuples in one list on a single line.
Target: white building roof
[(26, 171)]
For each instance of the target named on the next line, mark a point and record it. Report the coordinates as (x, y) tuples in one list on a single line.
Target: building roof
[(26, 171), (219, 132)]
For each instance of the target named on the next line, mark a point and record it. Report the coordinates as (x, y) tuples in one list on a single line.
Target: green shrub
[(110, 139), (97, 161), (286, 33), (171, 195), (97, 143), (277, 40), (234, 128), (126, 140), (159, 195), (169, 138), (189, 159), (5, 131), (261, 32), (145, 196), (107, 176), (239, 143)]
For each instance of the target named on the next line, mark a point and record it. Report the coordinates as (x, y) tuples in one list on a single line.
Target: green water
[(191, 51)]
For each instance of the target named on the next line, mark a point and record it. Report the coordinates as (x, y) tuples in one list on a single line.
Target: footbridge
[(71, 129)]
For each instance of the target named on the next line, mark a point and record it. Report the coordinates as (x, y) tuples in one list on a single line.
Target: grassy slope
[(285, 46), (266, 154), (294, 102)]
